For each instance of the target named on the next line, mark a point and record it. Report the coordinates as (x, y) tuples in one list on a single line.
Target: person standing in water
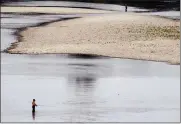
[(126, 7), (33, 105)]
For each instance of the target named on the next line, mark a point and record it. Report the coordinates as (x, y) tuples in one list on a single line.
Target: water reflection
[(82, 80), (83, 76), (33, 115), (85, 56)]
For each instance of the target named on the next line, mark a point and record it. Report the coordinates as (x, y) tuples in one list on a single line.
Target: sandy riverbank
[(119, 35), (49, 10)]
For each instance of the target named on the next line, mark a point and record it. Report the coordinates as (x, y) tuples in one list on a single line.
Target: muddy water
[(74, 89)]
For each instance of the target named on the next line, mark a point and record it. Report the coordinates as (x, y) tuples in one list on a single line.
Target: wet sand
[(125, 35)]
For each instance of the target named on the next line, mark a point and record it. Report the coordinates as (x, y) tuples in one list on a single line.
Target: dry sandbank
[(126, 35), (54, 10)]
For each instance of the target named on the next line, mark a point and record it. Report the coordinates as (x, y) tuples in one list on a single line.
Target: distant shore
[(124, 35)]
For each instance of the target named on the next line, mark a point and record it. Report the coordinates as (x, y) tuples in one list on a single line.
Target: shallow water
[(91, 90), (112, 7), (70, 89)]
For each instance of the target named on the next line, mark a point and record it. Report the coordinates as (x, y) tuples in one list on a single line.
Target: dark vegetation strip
[(148, 4), (159, 5)]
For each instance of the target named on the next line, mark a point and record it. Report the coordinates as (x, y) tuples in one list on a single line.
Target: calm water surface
[(71, 89), (91, 90)]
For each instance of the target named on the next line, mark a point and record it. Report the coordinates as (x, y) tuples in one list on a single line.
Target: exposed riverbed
[(74, 89)]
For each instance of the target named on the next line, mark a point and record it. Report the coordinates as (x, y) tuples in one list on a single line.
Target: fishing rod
[(41, 105), (46, 106)]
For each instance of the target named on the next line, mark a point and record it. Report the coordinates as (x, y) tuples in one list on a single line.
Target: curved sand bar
[(50, 10), (125, 35)]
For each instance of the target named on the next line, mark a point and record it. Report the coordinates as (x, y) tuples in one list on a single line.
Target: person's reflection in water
[(83, 77), (33, 108), (33, 115)]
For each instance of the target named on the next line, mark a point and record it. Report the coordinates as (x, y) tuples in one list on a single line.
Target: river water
[(75, 89)]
